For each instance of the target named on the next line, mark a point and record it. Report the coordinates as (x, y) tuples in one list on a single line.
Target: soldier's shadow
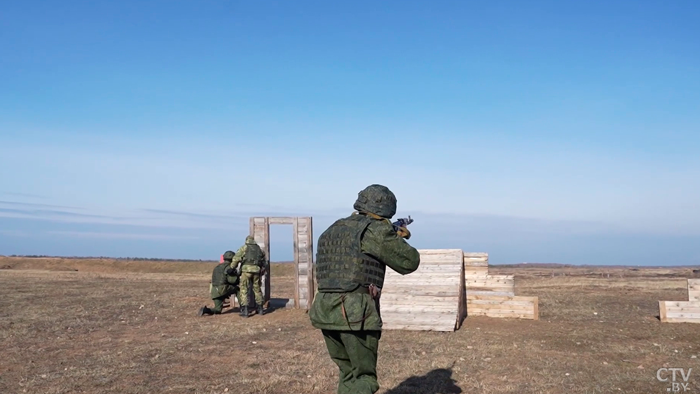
[(437, 381), (273, 305)]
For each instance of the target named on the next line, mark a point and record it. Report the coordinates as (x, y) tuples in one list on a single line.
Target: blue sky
[(539, 131)]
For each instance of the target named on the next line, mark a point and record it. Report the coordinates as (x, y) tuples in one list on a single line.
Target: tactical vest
[(218, 277), (253, 254), (340, 264)]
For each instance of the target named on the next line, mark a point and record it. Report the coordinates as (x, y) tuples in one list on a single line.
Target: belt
[(372, 290), (360, 289)]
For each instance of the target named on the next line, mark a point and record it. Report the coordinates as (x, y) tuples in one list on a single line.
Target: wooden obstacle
[(501, 285), (693, 289), (449, 286), (503, 306), (476, 265), (682, 311), (432, 298), (679, 311), (478, 280), (302, 231), (494, 295)]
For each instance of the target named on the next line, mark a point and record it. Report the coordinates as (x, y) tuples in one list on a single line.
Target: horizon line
[(503, 265)]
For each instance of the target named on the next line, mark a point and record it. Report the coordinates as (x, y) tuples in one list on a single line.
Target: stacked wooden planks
[(303, 255), (432, 298), (501, 285), (679, 311), (682, 311), (476, 264), (478, 280), (693, 289), (503, 306), (494, 295)]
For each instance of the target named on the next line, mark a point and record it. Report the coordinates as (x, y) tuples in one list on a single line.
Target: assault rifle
[(403, 222)]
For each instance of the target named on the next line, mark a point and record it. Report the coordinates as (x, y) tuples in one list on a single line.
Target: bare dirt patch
[(116, 328)]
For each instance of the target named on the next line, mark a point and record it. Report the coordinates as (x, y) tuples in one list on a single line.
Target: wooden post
[(260, 231), (266, 278), (295, 235), (255, 232), (311, 267)]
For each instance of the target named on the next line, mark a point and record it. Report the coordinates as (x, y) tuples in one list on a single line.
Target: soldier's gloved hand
[(403, 232)]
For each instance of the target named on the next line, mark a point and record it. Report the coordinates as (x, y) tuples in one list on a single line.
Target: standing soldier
[(224, 284), (253, 266), (351, 262)]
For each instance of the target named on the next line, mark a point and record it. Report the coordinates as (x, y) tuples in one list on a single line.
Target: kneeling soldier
[(224, 284)]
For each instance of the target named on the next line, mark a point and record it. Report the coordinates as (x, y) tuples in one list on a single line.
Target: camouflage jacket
[(254, 267), (221, 290), (361, 311)]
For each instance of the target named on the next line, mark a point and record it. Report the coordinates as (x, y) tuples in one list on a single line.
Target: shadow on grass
[(276, 303), (273, 305), (437, 381)]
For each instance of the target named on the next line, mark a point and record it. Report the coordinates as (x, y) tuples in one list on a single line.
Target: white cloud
[(636, 195)]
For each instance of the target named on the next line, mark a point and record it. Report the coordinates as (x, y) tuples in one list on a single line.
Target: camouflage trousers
[(355, 354), (219, 301), (246, 278)]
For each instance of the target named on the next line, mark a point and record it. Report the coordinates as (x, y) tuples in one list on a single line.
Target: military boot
[(260, 310), (204, 311), (244, 311)]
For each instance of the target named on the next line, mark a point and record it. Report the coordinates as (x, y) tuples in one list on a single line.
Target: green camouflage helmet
[(376, 199), (249, 240), (228, 255)]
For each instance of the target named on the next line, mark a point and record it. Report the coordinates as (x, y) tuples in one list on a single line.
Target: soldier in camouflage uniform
[(224, 284), (351, 262), (253, 266)]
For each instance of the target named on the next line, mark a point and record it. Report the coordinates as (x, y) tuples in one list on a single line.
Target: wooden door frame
[(294, 221)]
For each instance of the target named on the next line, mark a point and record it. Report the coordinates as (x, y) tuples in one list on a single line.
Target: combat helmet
[(376, 199), (249, 240), (228, 255)]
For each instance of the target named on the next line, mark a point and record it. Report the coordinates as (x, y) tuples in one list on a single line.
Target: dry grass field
[(103, 326)]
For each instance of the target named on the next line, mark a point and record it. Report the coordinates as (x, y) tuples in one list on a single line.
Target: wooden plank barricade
[(503, 306), (682, 311), (432, 298), (494, 295), (448, 286), (693, 289), (503, 285), (476, 265), (679, 311)]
